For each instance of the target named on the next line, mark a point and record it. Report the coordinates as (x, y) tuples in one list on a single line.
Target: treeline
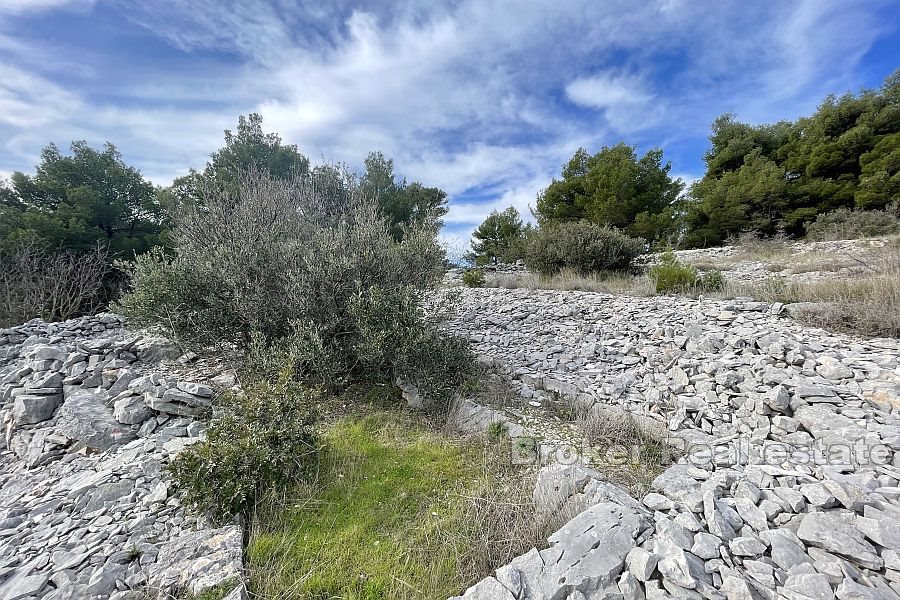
[(91, 204), (839, 165), (779, 177)]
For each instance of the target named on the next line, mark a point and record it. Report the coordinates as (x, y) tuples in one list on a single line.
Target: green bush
[(582, 247), (307, 262), (846, 224), (258, 439), (473, 278), (711, 281), (671, 276)]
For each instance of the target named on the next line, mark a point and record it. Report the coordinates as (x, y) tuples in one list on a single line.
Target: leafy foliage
[(259, 439), (403, 204), (711, 281), (307, 261), (845, 224), (500, 238), (473, 278), (582, 247), (248, 148), (778, 177), (614, 187), (671, 276), (74, 202)]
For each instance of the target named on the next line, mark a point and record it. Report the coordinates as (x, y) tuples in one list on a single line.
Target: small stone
[(746, 546), (195, 389), (706, 545), (641, 563)]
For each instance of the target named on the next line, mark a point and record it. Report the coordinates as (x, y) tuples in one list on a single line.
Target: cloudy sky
[(483, 98)]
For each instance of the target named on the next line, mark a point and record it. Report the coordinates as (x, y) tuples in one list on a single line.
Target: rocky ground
[(797, 262), (92, 414), (787, 485)]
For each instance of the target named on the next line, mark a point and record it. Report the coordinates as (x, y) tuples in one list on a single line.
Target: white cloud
[(473, 96), (626, 100), (22, 6), (607, 91), (22, 94)]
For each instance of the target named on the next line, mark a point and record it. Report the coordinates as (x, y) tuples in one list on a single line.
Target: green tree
[(879, 179), (766, 178), (499, 238), (404, 204), (749, 198), (247, 148), (614, 187), (77, 201)]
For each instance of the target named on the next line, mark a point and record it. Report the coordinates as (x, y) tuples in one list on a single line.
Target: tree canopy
[(402, 203), (75, 201), (499, 238), (614, 187), (247, 148), (767, 178)]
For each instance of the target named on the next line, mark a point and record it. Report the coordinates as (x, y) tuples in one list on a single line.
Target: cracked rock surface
[(787, 483), (86, 510)]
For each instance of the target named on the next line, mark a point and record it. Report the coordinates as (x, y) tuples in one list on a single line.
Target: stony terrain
[(787, 485), (91, 415), (794, 261)]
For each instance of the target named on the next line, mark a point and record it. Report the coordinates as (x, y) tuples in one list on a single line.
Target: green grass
[(399, 511)]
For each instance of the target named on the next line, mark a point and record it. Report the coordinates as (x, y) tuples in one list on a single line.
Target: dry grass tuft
[(631, 455), (867, 303), (612, 282), (752, 247)]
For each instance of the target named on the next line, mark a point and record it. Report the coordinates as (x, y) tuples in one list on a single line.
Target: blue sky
[(484, 98)]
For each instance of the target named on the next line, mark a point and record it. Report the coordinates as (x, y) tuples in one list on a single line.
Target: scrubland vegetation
[(313, 281)]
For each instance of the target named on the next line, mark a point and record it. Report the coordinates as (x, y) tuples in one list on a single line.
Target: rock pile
[(91, 416), (491, 272), (799, 261), (788, 481)]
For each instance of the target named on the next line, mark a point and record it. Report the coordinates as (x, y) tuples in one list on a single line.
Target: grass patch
[(630, 454), (608, 282), (399, 511), (867, 303)]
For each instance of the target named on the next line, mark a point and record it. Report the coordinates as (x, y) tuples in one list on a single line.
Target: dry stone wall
[(788, 482), (92, 414)]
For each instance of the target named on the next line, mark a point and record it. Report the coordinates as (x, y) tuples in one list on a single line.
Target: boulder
[(85, 417), (132, 410), (836, 532), (29, 409), (198, 561)]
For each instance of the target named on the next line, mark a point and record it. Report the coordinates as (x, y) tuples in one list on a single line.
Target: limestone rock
[(828, 530), (30, 409), (198, 561), (84, 416)]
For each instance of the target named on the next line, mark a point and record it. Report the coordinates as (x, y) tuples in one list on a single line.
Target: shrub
[(307, 262), (52, 286), (473, 278), (671, 276), (258, 439), (711, 281), (846, 224), (582, 247)]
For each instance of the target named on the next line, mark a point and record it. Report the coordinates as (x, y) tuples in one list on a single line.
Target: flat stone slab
[(198, 561), (85, 417)]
